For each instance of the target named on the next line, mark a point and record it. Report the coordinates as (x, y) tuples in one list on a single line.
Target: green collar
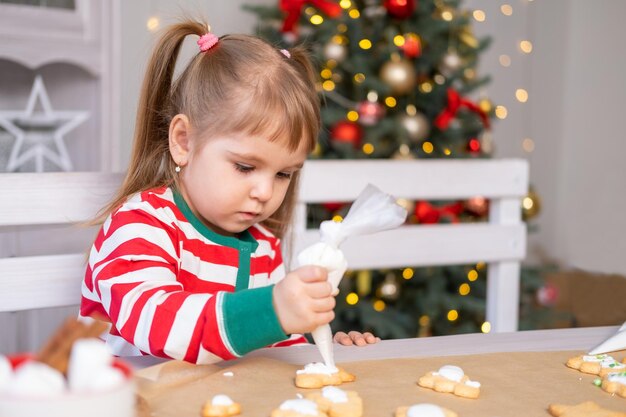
[(245, 238)]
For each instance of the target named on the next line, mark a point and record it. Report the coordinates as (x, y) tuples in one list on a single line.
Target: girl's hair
[(240, 85)]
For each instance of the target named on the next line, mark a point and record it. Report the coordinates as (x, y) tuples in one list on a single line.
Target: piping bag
[(613, 343), (373, 211)]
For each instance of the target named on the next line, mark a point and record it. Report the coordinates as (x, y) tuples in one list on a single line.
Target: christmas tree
[(398, 79)]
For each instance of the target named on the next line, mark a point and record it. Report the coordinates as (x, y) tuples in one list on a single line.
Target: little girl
[(187, 264)]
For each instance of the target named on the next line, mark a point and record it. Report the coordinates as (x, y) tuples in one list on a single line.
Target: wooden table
[(467, 344)]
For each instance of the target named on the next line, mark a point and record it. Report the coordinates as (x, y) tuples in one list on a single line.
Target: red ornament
[(478, 206), (547, 295), (348, 132), (293, 9), (369, 112), (400, 9), (473, 145), (426, 213), (412, 46)]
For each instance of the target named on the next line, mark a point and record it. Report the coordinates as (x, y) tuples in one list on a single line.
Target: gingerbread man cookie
[(450, 378), (586, 409), (300, 407), (424, 410), (596, 364), (318, 375), (337, 402), (615, 383), (221, 406)]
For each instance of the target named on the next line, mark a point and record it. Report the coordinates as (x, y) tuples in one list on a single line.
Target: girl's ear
[(179, 140)]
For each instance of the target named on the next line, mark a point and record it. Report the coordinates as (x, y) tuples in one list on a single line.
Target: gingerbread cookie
[(424, 410), (318, 375), (586, 409), (596, 364), (298, 408), (450, 379), (338, 403), (615, 383), (221, 406)]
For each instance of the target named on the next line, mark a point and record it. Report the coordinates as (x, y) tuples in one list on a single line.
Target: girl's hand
[(355, 338), (303, 300)]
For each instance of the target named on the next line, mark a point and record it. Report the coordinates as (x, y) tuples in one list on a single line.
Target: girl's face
[(233, 182)]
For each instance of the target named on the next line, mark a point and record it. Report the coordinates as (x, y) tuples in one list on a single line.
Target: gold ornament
[(531, 205), (399, 74), (416, 126)]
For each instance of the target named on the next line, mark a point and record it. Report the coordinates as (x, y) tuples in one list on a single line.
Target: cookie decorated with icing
[(299, 407), (318, 375), (221, 406), (586, 409), (451, 379), (424, 410), (615, 383), (596, 364), (338, 403)]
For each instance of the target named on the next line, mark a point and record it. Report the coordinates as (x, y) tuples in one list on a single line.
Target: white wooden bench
[(30, 200)]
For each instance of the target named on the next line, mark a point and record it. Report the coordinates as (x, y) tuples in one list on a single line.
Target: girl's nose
[(263, 189)]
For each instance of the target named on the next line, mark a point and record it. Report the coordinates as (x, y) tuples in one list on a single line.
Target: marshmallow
[(90, 367), (35, 379)]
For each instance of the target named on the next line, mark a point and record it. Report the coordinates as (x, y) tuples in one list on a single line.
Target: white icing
[(36, 379), (451, 372), (619, 377), (228, 373), (221, 399), (302, 406), (317, 368), (334, 394), (6, 372), (606, 361), (474, 384), (425, 410)]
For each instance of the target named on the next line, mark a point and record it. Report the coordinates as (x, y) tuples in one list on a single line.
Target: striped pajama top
[(173, 288)]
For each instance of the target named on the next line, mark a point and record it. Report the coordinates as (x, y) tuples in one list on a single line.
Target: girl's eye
[(243, 168), (284, 175)]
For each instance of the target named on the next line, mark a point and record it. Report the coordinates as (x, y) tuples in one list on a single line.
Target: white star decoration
[(34, 130)]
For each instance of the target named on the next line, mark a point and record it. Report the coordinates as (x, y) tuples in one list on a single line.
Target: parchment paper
[(513, 384)]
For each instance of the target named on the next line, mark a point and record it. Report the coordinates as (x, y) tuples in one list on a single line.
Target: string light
[(478, 15), (526, 46), (379, 305), (447, 152), (354, 13), (453, 315), (345, 4), (365, 44), (310, 11), (342, 28), (501, 112), (316, 19), (428, 147), (480, 266), (337, 218), (486, 327), (521, 95), (328, 85), (368, 149), (153, 23), (398, 40), (407, 273), (326, 73), (352, 115), (424, 320), (372, 96), (472, 275), (528, 145), (352, 298), (528, 203), (464, 289), (506, 9), (504, 60), (390, 102), (359, 77), (426, 87)]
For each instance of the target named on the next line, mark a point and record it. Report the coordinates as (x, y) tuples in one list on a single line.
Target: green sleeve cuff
[(250, 320)]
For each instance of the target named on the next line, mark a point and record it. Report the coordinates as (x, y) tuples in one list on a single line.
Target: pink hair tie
[(207, 41), (285, 52)]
